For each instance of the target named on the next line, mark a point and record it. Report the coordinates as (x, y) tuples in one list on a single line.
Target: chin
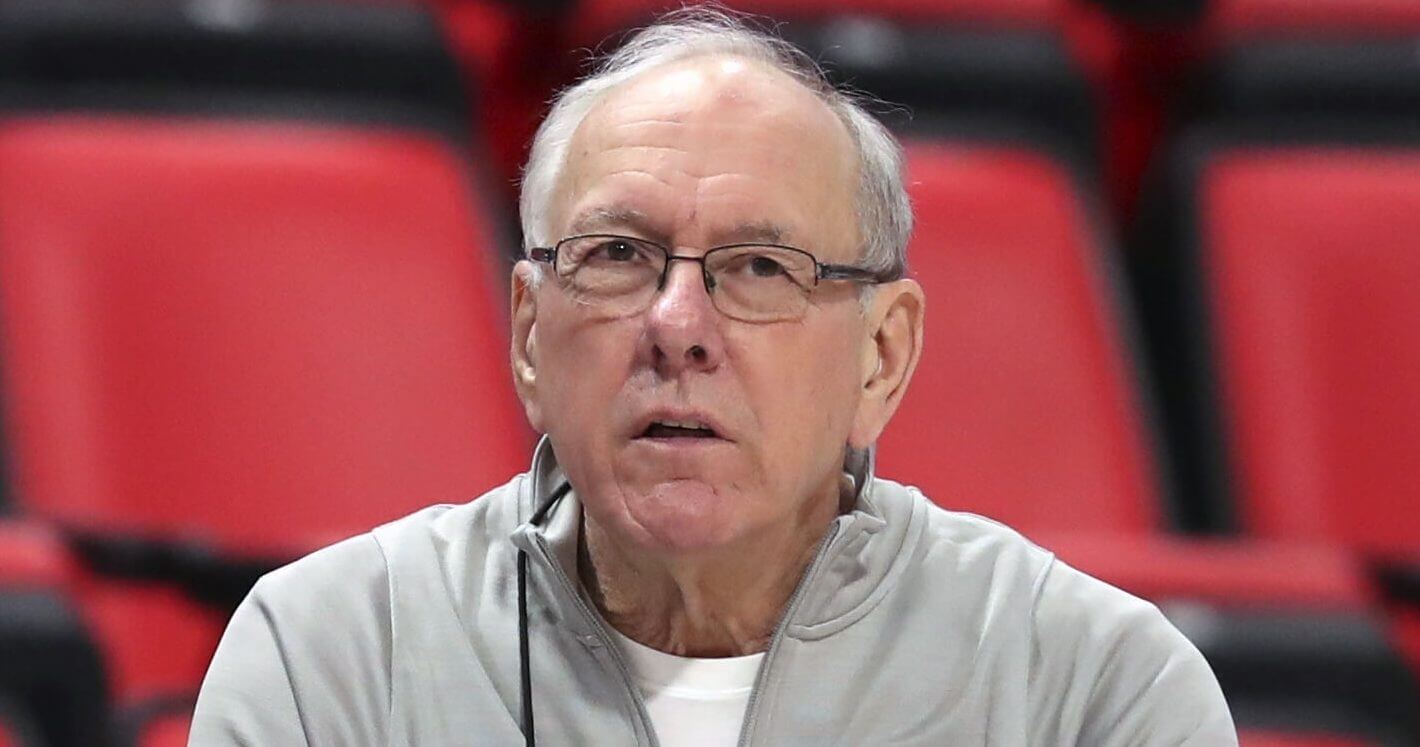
[(685, 516)]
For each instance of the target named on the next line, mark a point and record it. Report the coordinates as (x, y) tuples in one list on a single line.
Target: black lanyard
[(525, 661)]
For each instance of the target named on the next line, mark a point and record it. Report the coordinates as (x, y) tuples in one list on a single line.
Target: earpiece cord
[(523, 649), (525, 660)]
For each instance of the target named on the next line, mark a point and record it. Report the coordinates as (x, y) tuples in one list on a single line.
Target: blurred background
[(253, 292)]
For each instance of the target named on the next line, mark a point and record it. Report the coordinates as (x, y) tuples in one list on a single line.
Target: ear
[(891, 349), (523, 299)]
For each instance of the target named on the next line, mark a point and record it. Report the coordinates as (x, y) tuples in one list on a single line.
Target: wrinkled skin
[(696, 154)]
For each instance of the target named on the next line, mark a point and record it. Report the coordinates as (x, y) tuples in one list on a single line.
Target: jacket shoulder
[(484, 521), (959, 569), (305, 656), (1105, 667), (319, 632), (352, 582), (1121, 670), (974, 540)]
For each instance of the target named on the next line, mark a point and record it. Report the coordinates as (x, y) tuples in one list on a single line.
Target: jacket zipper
[(605, 637), (761, 680)]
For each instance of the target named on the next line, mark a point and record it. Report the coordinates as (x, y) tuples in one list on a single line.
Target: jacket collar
[(863, 556)]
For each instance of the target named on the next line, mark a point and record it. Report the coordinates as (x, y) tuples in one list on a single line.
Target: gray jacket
[(913, 626)]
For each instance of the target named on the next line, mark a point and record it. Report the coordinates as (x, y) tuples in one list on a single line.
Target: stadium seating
[(1291, 274), (1068, 65), (324, 59), (249, 302), (1319, 75), (1278, 277), (1029, 406), (1292, 271), (1256, 738), (259, 208), (158, 722), (1308, 261), (1244, 18), (255, 337), (171, 732), (1026, 400), (1294, 634), (1332, 59), (965, 58), (52, 682)]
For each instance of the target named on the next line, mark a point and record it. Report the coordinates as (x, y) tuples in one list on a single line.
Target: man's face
[(695, 155)]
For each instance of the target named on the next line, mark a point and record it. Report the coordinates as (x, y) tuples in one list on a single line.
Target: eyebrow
[(614, 217), (596, 219), (755, 231)]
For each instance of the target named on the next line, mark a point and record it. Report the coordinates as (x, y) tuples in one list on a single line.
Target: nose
[(682, 325)]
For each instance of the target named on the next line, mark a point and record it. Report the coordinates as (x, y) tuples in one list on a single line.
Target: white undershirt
[(692, 702)]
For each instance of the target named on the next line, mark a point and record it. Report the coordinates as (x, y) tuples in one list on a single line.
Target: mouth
[(678, 429)]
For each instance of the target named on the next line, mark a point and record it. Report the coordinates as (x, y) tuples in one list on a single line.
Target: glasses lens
[(609, 269), (760, 283)]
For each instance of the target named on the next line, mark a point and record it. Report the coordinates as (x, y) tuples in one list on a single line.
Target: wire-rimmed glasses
[(753, 282)]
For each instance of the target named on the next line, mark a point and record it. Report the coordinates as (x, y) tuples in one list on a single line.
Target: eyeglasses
[(748, 282)]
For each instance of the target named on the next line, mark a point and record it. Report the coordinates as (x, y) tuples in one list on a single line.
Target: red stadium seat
[(1224, 573), (34, 556), (52, 685), (1405, 620), (1330, 17), (155, 640), (1026, 406), (1258, 738), (152, 638), (251, 337), (172, 732), (1309, 262)]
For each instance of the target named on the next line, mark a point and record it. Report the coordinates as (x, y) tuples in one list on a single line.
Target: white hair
[(884, 212)]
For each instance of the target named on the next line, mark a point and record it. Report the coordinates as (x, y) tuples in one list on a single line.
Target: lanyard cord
[(524, 660)]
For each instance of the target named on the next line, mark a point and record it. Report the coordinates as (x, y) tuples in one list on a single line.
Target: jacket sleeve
[(247, 697), (1112, 671)]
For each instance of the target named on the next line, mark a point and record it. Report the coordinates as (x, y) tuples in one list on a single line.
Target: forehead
[(709, 150)]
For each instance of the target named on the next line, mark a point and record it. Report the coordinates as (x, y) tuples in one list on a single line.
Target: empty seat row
[(1030, 408), (247, 311)]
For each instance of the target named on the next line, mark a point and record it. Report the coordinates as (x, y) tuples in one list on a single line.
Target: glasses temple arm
[(848, 272)]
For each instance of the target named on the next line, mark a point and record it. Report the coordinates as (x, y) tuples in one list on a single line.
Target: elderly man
[(712, 327)]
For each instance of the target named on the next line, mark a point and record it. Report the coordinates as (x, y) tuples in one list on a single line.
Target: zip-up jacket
[(913, 625)]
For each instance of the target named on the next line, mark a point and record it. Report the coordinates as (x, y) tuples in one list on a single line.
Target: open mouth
[(678, 429)]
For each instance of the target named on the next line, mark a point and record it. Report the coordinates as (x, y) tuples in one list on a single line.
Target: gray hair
[(884, 212)]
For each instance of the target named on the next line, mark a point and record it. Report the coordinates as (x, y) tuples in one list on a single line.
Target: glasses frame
[(822, 270)]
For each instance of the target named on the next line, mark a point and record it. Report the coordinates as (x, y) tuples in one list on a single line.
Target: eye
[(765, 267), (615, 250)]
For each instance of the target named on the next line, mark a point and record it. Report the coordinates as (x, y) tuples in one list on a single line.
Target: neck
[(726, 603)]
